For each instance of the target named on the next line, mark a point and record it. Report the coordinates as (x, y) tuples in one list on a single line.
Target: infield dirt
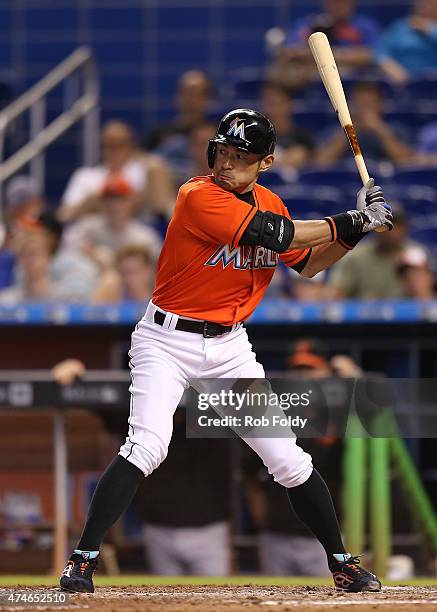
[(231, 598)]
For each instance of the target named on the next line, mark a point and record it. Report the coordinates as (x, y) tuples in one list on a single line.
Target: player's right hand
[(372, 214), (377, 216)]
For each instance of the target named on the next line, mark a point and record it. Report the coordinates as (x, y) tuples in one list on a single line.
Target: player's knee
[(153, 458), (292, 473), (147, 457)]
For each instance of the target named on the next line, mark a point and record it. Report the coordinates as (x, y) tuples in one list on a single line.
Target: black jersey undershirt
[(246, 197)]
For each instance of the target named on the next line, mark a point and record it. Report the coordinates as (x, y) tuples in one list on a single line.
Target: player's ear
[(266, 163)]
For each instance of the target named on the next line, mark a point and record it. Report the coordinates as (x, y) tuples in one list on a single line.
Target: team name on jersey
[(244, 257)]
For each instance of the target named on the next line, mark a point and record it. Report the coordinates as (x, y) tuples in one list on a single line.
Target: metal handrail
[(45, 85), (46, 137), (41, 135)]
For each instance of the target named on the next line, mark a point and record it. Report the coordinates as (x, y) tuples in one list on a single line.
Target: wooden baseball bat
[(327, 67)]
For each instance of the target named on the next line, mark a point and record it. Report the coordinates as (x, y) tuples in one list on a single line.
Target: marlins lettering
[(244, 257)]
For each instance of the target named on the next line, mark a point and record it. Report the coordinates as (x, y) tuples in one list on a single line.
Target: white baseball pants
[(162, 361)]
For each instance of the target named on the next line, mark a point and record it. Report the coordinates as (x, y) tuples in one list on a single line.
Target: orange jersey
[(203, 272)]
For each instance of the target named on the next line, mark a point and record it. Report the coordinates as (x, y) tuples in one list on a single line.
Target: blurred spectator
[(34, 285), (416, 274), (144, 174), (132, 279), (74, 274), (195, 162), (192, 537), (100, 235), (198, 144), (408, 48), (352, 38), (287, 283), (192, 100), (294, 145), (379, 141), (23, 199), (46, 272), (172, 140), (307, 289), (286, 546), (371, 270)]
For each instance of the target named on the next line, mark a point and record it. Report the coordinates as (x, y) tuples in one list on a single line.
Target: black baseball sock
[(312, 503), (113, 494)]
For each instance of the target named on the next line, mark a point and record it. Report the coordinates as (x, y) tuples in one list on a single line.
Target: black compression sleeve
[(267, 229)]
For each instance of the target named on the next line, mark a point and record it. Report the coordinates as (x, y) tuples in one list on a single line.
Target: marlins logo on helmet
[(237, 128)]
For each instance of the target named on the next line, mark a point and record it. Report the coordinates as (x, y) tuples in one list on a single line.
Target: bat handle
[(365, 177), (362, 169)]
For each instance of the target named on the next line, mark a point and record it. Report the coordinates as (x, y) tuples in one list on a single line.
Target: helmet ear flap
[(212, 148)]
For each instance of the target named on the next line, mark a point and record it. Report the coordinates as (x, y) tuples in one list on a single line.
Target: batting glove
[(371, 218), (370, 194), (372, 213)]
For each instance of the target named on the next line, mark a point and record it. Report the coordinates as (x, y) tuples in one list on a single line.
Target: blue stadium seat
[(275, 178), (416, 175), (387, 89), (316, 120), (307, 202), (341, 177), (426, 235), (311, 208), (417, 199), (247, 83), (315, 93), (412, 119), (424, 88)]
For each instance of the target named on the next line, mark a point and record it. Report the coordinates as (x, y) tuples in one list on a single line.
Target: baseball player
[(222, 246)]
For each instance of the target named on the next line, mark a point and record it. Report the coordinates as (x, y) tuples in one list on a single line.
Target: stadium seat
[(424, 88), (410, 120), (305, 201), (417, 199), (275, 178), (316, 120), (311, 208), (341, 177), (387, 89), (416, 175), (426, 235), (247, 83)]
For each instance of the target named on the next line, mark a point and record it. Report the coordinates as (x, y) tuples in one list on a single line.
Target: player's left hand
[(370, 194), (371, 197)]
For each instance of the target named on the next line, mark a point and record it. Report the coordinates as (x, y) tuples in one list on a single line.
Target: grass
[(144, 580)]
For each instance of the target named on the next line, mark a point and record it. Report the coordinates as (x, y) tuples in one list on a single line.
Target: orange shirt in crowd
[(203, 272)]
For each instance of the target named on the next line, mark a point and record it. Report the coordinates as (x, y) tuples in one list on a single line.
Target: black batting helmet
[(245, 129)]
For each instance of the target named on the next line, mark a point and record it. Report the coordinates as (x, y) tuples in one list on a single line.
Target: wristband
[(345, 226), (351, 242)]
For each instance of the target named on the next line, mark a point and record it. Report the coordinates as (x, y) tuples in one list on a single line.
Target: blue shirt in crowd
[(358, 30), (414, 50)]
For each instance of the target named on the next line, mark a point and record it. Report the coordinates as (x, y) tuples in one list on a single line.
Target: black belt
[(206, 328)]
